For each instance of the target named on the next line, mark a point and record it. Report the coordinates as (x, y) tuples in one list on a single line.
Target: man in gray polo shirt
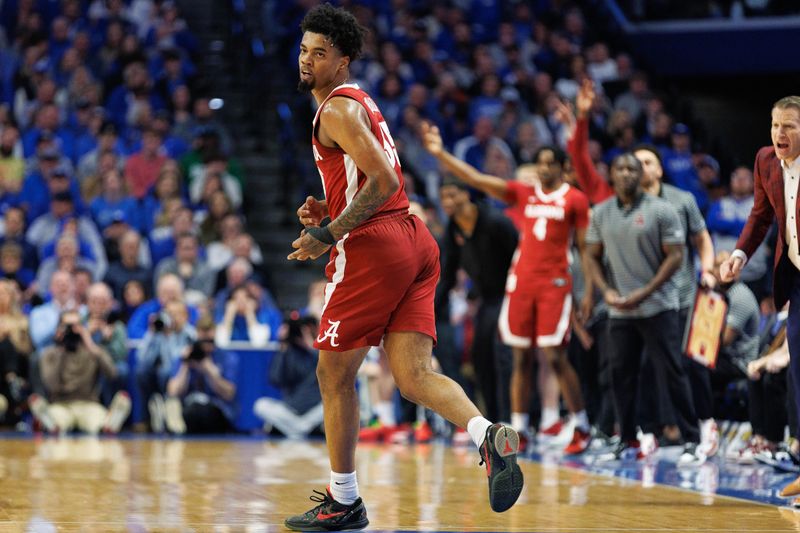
[(658, 410), (643, 244)]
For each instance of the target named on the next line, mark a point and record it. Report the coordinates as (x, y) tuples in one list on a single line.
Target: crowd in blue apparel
[(120, 199)]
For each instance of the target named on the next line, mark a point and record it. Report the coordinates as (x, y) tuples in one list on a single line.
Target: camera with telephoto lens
[(201, 349), (70, 339), (161, 322)]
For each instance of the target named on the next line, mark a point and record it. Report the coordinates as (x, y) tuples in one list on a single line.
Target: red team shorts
[(382, 277), (538, 308)]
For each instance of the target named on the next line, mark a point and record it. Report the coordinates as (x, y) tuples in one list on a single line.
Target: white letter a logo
[(331, 333)]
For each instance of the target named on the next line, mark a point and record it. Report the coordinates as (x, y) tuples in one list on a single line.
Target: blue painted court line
[(757, 483)]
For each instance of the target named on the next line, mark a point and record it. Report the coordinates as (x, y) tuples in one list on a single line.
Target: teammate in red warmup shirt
[(538, 302), (383, 271)]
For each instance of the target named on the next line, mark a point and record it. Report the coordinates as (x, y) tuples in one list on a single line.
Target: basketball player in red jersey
[(383, 270), (538, 301)]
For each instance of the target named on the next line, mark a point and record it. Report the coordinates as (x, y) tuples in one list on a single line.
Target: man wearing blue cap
[(680, 167)]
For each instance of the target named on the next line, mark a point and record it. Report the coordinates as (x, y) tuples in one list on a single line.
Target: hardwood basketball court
[(245, 484)]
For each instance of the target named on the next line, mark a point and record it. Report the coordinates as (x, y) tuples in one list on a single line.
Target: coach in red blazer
[(777, 174)]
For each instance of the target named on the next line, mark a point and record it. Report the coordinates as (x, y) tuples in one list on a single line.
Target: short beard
[(304, 87)]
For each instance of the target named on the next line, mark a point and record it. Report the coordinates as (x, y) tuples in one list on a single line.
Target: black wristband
[(322, 234)]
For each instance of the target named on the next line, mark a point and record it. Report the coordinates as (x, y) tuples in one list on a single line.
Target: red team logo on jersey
[(330, 333)]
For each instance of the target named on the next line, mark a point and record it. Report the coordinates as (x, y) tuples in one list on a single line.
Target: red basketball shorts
[(382, 278), (538, 308)]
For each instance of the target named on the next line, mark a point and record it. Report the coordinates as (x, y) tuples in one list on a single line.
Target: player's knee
[(332, 377), (409, 392), (411, 383), (521, 363)]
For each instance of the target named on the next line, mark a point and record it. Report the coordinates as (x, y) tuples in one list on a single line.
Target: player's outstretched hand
[(312, 212), (563, 114), (307, 247), (431, 138), (585, 98)]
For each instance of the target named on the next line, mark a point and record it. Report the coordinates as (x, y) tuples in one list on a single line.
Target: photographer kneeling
[(293, 369), (168, 335), (71, 372), (203, 381)]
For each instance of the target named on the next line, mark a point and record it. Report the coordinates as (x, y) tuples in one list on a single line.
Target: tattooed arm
[(344, 123)]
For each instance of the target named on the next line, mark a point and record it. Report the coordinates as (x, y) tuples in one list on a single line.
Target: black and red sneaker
[(329, 515), (499, 453)]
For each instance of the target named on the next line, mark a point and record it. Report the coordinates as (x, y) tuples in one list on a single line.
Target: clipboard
[(702, 339)]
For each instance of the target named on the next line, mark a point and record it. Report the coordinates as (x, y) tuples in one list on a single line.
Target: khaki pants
[(284, 419), (85, 416)]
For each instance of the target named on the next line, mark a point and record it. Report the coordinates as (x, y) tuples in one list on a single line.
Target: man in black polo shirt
[(642, 239), (482, 241)]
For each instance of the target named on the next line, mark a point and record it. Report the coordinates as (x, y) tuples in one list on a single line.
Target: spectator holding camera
[(168, 289), (168, 335), (203, 380), (242, 321), (44, 318), (108, 332), (293, 369), (70, 371)]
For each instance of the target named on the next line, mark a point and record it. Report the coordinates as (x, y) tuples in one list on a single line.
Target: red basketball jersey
[(548, 221), (341, 179)]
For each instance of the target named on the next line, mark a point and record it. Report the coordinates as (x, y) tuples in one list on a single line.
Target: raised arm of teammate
[(590, 181), (491, 185)]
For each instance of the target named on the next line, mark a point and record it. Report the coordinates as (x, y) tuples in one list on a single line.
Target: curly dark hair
[(558, 154), (340, 26)]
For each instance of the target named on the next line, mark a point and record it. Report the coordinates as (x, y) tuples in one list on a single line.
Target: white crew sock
[(344, 487), (581, 420), (549, 417), (385, 412), (705, 428), (520, 421), (476, 427)]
